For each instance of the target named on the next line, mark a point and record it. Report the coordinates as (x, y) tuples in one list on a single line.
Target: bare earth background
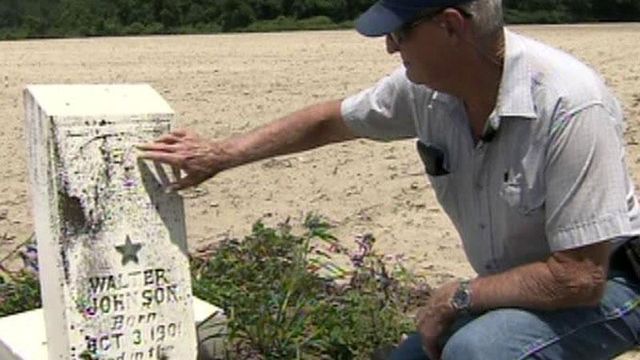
[(225, 84)]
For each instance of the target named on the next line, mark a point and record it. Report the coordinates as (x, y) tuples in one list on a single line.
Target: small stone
[(419, 205)]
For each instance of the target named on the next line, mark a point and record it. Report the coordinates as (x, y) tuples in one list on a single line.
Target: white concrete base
[(22, 336)]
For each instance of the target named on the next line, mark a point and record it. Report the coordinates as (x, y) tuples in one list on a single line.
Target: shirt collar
[(515, 98)]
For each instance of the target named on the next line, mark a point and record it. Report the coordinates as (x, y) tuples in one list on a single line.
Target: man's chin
[(412, 77), (409, 74), (418, 80)]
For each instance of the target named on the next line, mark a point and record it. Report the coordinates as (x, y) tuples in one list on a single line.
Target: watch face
[(462, 299)]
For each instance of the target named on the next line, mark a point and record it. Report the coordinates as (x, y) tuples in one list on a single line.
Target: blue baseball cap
[(386, 16)]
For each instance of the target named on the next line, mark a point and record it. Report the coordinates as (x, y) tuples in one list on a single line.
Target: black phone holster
[(433, 157)]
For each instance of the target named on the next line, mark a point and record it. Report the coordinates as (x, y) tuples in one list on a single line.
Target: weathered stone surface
[(111, 242), (22, 336)]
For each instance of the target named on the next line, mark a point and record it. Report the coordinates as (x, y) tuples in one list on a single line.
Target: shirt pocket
[(522, 197), (437, 166)]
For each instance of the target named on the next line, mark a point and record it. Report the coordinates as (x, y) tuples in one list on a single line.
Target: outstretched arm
[(202, 159)]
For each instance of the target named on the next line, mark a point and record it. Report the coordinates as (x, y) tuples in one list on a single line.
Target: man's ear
[(454, 23)]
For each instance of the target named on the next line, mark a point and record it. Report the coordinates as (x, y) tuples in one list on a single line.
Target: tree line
[(64, 18), (571, 11)]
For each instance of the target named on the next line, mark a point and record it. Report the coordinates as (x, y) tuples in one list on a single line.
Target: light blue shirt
[(552, 178)]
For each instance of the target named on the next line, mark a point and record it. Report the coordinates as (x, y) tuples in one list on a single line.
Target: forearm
[(539, 286), (306, 129)]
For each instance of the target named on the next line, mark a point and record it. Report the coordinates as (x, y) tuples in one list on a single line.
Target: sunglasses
[(398, 36)]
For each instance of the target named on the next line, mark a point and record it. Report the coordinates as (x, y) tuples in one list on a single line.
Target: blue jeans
[(603, 332)]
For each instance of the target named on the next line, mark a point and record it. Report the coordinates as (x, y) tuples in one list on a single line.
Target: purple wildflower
[(30, 258)]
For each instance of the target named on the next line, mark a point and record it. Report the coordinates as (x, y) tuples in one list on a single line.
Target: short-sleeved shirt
[(551, 178)]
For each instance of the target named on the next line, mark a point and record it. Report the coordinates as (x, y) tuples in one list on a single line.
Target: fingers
[(180, 133), (173, 137), (180, 150), (157, 146), (166, 139), (174, 161), (432, 350), (163, 157), (184, 183), (429, 337), (430, 347), (434, 354)]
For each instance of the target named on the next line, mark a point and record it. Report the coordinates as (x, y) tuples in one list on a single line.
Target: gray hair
[(487, 16)]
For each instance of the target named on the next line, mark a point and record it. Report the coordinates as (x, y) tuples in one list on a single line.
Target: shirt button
[(483, 226), (479, 187)]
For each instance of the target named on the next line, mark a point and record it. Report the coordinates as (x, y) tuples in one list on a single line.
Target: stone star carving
[(129, 251)]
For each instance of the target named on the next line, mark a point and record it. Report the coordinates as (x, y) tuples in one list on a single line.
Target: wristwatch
[(461, 300)]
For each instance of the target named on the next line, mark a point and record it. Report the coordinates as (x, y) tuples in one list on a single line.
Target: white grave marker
[(111, 243)]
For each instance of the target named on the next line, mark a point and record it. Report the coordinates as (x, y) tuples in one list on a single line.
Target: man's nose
[(392, 47)]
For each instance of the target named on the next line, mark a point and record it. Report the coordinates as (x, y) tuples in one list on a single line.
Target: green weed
[(287, 299)]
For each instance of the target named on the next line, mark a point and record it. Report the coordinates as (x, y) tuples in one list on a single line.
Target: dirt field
[(225, 84)]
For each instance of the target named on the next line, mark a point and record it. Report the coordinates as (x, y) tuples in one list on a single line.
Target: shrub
[(21, 293), (286, 297), (134, 29)]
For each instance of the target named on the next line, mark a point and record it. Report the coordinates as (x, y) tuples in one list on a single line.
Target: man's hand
[(436, 318), (309, 128), (198, 158)]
